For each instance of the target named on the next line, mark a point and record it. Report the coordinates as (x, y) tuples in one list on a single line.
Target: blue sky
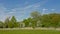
[(21, 9)]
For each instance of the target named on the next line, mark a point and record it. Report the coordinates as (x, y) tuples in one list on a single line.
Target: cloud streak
[(20, 11)]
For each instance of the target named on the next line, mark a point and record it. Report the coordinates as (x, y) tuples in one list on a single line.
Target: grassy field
[(29, 32)]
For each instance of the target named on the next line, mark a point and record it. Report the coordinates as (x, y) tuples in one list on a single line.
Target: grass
[(29, 32)]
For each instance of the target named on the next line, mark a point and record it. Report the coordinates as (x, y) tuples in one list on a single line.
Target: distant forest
[(36, 20)]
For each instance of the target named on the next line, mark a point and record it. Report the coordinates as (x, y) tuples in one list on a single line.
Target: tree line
[(36, 20)]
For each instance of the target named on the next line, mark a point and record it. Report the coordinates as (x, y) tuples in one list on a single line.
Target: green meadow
[(29, 32)]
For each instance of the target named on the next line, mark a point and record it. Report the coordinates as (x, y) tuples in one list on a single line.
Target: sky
[(21, 9)]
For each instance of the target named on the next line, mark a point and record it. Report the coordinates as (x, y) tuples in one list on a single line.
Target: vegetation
[(36, 20), (29, 32)]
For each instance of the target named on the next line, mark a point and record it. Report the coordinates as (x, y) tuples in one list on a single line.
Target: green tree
[(45, 20), (13, 22), (50, 20), (55, 19), (35, 18), (27, 22), (1, 24), (6, 22)]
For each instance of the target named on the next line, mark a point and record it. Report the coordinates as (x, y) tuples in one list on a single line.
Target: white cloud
[(36, 5), (44, 9), (3, 13), (52, 9), (32, 6), (11, 12), (22, 10)]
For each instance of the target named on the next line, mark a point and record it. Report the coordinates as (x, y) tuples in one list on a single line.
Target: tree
[(35, 18), (6, 22), (13, 22), (27, 22), (30, 21), (1, 24), (55, 19), (50, 20), (35, 14), (45, 20)]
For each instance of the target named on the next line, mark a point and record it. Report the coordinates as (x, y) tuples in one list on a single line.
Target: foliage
[(35, 20), (1, 24), (27, 22), (13, 21), (6, 22), (51, 20)]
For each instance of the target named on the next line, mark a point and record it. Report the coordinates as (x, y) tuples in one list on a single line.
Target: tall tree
[(50, 20), (45, 20), (13, 22), (36, 17), (55, 19), (6, 22)]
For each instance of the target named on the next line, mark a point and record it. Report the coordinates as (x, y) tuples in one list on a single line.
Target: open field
[(27, 31)]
